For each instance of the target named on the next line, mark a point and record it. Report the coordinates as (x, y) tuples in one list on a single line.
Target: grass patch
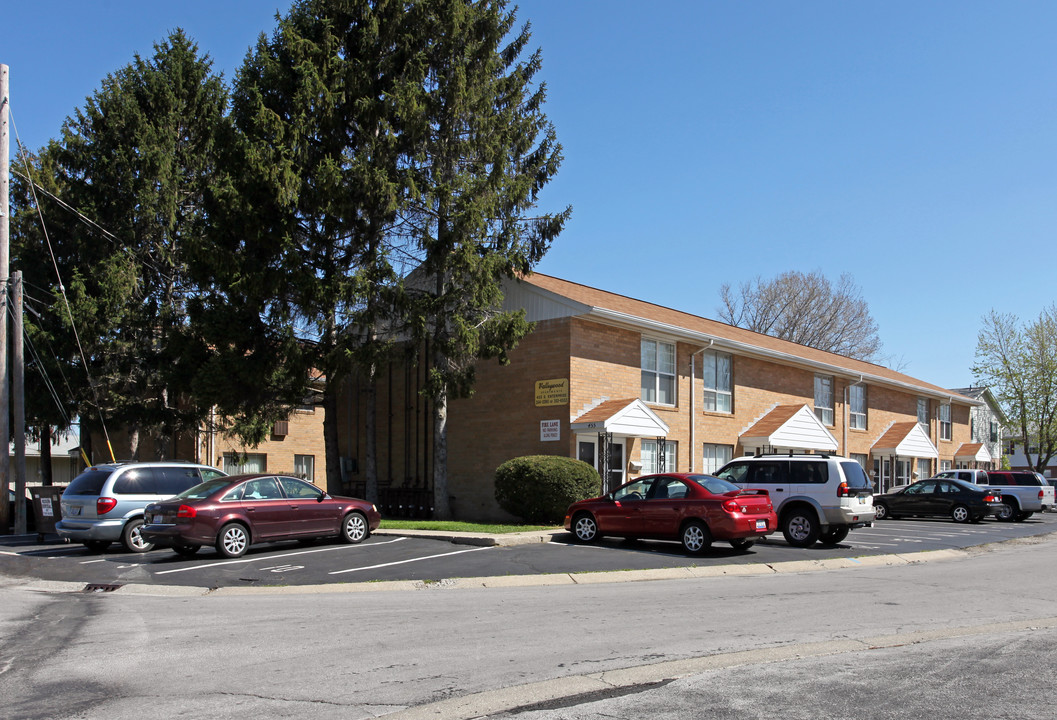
[(453, 526)]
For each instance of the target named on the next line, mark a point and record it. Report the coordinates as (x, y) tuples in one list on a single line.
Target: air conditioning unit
[(282, 428)]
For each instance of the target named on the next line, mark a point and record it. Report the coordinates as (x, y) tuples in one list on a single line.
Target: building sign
[(552, 392), (550, 430)]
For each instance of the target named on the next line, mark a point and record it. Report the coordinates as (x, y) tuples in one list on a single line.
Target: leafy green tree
[(320, 104), (1019, 364), (50, 401), (483, 150), (132, 169)]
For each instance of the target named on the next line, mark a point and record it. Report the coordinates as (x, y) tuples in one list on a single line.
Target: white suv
[(818, 498)]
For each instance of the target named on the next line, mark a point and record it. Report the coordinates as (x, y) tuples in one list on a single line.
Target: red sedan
[(232, 513), (695, 509)]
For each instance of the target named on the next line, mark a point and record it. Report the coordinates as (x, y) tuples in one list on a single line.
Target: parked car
[(694, 509), (104, 504), (235, 512), (1023, 493), (959, 500), (818, 497)]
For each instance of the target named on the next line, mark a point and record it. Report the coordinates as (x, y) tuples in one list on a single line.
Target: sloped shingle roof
[(641, 312)]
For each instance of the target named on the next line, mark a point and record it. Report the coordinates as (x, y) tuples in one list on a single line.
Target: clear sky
[(911, 144)]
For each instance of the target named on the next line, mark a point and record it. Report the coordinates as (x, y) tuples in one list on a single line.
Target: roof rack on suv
[(792, 454)]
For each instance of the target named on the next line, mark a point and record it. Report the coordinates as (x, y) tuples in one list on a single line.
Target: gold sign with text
[(552, 392)]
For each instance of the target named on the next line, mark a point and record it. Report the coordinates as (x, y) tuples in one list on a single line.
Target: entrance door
[(587, 450)]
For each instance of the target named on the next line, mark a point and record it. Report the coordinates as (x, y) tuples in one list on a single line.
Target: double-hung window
[(658, 372), (923, 414), (824, 399), (651, 457), (715, 457), (945, 422), (716, 377), (857, 407)]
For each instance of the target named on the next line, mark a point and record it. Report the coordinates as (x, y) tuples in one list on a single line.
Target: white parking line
[(402, 562), (276, 557)]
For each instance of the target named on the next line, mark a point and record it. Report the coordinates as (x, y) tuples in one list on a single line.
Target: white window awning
[(790, 426)]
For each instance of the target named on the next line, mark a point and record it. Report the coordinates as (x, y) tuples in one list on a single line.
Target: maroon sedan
[(232, 513), (695, 509)]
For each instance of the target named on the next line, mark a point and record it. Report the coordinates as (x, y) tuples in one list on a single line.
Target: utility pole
[(18, 393), (5, 259)]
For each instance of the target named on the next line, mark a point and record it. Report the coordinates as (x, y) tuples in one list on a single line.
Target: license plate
[(761, 524), (74, 510)]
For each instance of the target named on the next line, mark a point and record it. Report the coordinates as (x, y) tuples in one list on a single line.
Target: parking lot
[(397, 557)]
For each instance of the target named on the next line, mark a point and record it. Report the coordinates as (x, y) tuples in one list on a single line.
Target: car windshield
[(204, 490), (715, 485)]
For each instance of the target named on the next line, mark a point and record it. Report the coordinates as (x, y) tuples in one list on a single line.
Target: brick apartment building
[(632, 387)]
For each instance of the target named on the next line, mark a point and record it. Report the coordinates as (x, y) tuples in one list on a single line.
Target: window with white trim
[(945, 465), (651, 457), (824, 399), (857, 407), (924, 468), (923, 414), (305, 467), (716, 378), (242, 464), (714, 457), (945, 422), (658, 372)]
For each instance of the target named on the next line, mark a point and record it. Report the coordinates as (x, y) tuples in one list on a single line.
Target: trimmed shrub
[(540, 488)]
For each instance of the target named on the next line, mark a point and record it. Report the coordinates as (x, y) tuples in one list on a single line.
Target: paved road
[(396, 557), (938, 637)]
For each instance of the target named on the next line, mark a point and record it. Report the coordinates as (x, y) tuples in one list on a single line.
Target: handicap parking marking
[(411, 560), (275, 557), (284, 568)]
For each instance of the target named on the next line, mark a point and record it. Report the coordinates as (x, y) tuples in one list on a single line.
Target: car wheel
[(834, 535), (187, 550), (97, 545), (800, 528), (1006, 512), (880, 511), (585, 529), (696, 537), (132, 537), (960, 514), (354, 528), (742, 543), (233, 540)]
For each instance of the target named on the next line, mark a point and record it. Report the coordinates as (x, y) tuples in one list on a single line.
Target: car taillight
[(731, 506), (1040, 495), (843, 490), (186, 511), (104, 505)]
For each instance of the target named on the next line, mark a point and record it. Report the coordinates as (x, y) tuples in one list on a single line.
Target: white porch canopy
[(630, 418), (790, 426), (905, 440), (973, 452)]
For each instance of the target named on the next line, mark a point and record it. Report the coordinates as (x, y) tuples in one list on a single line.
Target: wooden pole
[(5, 397), (18, 396)]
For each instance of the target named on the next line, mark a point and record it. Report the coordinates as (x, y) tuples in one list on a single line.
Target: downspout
[(693, 374), (847, 415)]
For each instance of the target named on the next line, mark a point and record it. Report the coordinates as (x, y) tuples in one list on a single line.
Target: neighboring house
[(1014, 451), (295, 446), (65, 459), (986, 421), (631, 387)]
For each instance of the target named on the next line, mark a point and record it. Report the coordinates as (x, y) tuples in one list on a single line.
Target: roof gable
[(790, 426)]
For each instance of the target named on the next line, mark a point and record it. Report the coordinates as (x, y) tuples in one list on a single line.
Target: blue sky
[(911, 144)]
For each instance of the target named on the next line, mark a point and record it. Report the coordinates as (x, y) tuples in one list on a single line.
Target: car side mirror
[(322, 496)]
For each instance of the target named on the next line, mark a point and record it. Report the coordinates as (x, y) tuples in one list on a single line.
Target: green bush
[(539, 488)]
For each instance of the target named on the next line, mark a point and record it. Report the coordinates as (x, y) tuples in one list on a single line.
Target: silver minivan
[(104, 504)]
